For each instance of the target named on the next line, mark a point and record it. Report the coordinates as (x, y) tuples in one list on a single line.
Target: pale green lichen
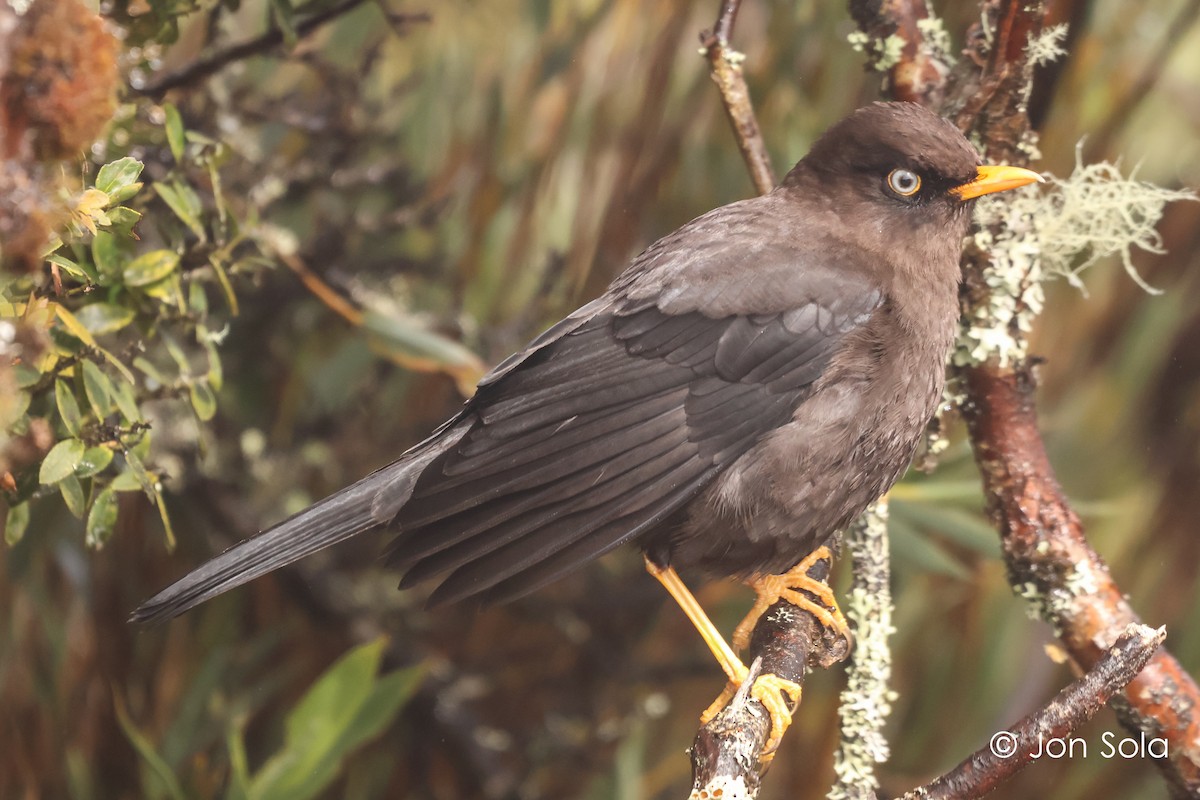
[(884, 53), (1060, 600), (867, 699), (935, 40), (890, 50), (1031, 236), (1047, 46)]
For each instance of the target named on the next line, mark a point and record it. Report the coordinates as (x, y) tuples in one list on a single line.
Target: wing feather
[(600, 435)]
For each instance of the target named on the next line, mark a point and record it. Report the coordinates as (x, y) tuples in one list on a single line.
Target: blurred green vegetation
[(337, 232)]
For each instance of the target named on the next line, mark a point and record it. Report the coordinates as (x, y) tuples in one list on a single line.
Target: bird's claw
[(770, 690), (796, 587)]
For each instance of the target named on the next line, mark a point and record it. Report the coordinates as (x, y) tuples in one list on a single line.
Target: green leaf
[(61, 461), (346, 707), (14, 412), (118, 178), (123, 217), (176, 352), (102, 519), (239, 770), (203, 400), (16, 523), (126, 481), (150, 371), (126, 402), (68, 407), (26, 374), (110, 253), (197, 299), (216, 375), (101, 318), (150, 267), (283, 16), (72, 494), (226, 286), (144, 478), (410, 336), (174, 127), (99, 389), (184, 201), (95, 460)]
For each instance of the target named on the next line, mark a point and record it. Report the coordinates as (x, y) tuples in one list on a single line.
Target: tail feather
[(347, 513)]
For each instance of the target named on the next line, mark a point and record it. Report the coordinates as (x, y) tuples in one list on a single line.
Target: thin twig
[(272, 38), (725, 65), (1009, 751)]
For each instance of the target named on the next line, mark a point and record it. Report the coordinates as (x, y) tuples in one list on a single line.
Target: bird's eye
[(904, 182)]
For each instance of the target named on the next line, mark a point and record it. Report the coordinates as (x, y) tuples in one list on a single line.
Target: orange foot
[(797, 588), (778, 695)]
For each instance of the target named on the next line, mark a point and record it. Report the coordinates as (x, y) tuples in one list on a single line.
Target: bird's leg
[(795, 586), (730, 663), (767, 689)]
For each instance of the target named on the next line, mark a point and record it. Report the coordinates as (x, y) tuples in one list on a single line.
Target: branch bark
[(725, 65), (917, 73), (1009, 751)]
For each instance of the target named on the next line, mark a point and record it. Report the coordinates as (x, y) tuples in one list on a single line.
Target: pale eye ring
[(904, 182)]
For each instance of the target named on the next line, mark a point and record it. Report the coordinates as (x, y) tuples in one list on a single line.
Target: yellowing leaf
[(150, 267), (101, 318), (89, 209)]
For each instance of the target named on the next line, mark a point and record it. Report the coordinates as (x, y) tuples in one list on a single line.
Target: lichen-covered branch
[(906, 42), (866, 702), (1013, 749), (725, 65)]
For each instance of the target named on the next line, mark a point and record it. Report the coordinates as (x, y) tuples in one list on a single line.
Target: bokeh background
[(473, 175)]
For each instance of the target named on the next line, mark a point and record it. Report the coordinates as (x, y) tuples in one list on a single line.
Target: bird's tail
[(353, 510)]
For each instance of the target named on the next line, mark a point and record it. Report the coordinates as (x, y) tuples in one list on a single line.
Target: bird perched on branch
[(745, 388)]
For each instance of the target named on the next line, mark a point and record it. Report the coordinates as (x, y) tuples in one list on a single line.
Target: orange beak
[(990, 179)]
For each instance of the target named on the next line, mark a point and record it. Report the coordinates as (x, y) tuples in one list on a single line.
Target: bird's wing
[(605, 430)]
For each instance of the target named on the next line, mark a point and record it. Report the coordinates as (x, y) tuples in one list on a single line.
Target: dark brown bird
[(743, 390)]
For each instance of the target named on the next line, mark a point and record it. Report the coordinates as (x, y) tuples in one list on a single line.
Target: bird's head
[(903, 164)]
